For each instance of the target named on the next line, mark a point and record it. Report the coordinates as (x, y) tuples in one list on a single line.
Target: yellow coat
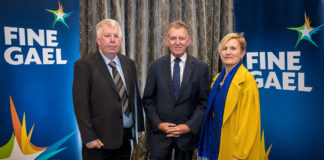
[(240, 135)]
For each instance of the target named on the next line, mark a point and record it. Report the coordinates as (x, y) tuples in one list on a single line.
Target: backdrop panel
[(285, 52), (39, 42)]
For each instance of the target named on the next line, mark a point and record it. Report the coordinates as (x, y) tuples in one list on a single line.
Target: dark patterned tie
[(176, 77), (120, 88)]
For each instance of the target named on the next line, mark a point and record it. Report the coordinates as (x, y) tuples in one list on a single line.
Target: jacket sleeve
[(197, 117), (81, 94), (139, 104), (149, 99), (249, 121)]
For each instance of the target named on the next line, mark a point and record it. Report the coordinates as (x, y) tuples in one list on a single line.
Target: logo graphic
[(59, 15), (19, 145), (305, 31), (264, 154)]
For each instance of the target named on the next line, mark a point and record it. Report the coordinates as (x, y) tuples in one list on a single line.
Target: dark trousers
[(121, 153), (159, 152)]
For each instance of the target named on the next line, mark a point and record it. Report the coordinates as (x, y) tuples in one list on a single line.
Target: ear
[(243, 54), (97, 40), (166, 41), (189, 41)]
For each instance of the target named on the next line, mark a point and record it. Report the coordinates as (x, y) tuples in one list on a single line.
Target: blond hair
[(237, 36)]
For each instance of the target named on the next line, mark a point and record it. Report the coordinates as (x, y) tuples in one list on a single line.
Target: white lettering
[(301, 83), (59, 57), (280, 62), (258, 80), (272, 81), (31, 35), (18, 57), (262, 60), (286, 81), (32, 56), (51, 37), (22, 38), (47, 56), (8, 34), (250, 60), (291, 60), (15, 55)]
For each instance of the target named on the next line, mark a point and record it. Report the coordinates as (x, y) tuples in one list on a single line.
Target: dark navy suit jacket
[(161, 105)]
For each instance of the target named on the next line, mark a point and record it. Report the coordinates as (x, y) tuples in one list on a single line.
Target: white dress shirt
[(181, 64)]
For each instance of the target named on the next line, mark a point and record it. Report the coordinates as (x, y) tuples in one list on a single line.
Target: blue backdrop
[(39, 44), (285, 52)]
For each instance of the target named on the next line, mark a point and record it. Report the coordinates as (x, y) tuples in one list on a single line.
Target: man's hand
[(165, 127), (178, 130), (95, 144), (140, 134)]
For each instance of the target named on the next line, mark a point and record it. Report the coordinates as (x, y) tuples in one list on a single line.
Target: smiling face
[(178, 41), (109, 41), (231, 53)]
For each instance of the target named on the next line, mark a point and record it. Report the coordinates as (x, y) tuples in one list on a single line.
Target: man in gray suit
[(175, 98), (106, 98)]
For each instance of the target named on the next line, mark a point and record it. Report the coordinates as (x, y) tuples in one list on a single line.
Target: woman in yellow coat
[(231, 129)]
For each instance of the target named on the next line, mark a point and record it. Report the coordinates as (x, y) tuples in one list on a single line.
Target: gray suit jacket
[(189, 108), (97, 103)]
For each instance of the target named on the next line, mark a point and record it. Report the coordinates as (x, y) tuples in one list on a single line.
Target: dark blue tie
[(176, 77)]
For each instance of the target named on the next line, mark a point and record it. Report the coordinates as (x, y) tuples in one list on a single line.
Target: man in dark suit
[(106, 98), (175, 98)]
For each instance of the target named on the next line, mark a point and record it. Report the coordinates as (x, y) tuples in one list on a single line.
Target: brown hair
[(178, 24)]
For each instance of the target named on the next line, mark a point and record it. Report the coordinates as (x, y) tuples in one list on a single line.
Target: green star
[(59, 15), (305, 31)]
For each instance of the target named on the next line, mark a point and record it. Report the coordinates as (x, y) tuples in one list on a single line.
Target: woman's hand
[(234, 158)]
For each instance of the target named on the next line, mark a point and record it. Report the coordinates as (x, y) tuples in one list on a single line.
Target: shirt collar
[(107, 61), (183, 58)]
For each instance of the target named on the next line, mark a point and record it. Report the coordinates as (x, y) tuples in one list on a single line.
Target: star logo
[(306, 31), (59, 15), (20, 146)]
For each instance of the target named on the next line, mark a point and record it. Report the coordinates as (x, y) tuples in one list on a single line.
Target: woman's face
[(231, 53)]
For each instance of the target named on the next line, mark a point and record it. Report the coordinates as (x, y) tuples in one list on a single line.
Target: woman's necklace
[(222, 82)]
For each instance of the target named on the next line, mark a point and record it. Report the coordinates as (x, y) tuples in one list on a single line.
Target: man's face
[(178, 41), (109, 41)]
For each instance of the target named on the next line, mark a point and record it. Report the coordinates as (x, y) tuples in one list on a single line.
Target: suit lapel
[(126, 70), (102, 66), (167, 73), (186, 74), (233, 93)]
